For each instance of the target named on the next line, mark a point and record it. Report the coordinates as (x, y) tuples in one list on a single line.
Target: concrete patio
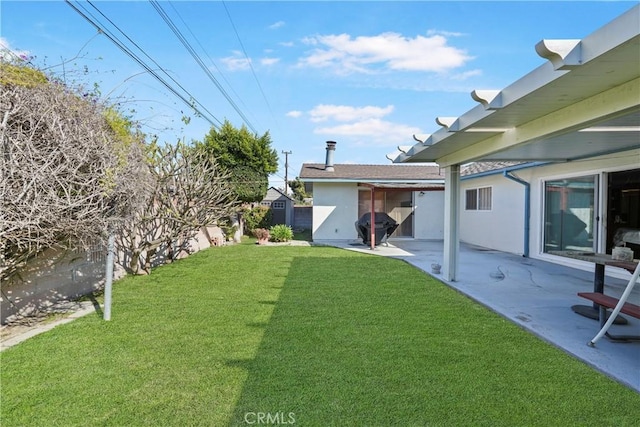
[(535, 294)]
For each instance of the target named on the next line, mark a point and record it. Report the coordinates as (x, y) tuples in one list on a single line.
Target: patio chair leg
[(605, 327), (622, 337)]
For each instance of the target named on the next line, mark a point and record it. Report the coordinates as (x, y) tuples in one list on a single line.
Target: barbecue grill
[(384, 227)]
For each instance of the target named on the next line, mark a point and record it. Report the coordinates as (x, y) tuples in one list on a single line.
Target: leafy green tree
[(297, 187), (247, 158), (256, 217)]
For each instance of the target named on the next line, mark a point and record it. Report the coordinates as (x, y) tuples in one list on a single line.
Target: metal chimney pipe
[(331, 148)]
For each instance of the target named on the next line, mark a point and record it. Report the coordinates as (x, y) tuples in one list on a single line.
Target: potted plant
[(262, 234)]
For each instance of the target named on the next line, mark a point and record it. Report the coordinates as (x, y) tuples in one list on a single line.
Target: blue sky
[(368, 75)]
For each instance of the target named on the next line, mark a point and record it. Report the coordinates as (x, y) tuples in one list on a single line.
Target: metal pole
[(109, 278), (372, 233), (286, 171)]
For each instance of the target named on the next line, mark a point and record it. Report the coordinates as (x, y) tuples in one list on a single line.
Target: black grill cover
[(384, 227)]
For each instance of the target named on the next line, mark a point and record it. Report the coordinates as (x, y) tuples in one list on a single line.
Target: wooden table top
[(597, 258)]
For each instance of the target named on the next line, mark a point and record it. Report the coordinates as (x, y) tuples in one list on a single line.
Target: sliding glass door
[(623, 210), (570, 214)]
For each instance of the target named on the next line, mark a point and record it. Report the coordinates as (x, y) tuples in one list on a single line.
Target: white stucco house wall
[(412, 195), (613, 204)]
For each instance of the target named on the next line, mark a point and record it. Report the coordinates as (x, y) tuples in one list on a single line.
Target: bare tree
[(73, 170), (189, 192), (64, 174)]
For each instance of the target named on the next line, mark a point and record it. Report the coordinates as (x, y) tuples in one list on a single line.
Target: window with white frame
[(478, 199), (277, 204)]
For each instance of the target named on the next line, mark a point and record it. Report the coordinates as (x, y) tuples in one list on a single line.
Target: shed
[(281, 206)]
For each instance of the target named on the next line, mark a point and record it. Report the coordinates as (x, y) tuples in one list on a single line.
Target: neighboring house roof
[(315, 172), (477, 168), (274, 193)]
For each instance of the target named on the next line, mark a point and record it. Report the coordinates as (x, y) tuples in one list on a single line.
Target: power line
[(209, 57), (192, 102), (249, 62), (197, 58)]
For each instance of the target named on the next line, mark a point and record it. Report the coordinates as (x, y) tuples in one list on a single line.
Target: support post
[(451, 222), (372, 232)]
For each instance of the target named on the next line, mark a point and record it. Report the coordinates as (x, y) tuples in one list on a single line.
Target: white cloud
[(346, 113), (295, 114), (444, 33), (386, 51), (466, 75), (276, 25), (236, 62), (361, 125), (286, 44), (379, 132), (7, 53), (269, 61)]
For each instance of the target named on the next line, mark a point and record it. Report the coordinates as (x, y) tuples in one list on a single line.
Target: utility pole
[(286, 171)]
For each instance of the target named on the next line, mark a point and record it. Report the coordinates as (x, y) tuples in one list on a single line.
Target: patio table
[(600, 261)]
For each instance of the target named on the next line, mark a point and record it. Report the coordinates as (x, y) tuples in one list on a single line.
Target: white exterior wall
[(428, 223), (598, 166), (503, 227), (500, 228), (335, 211)]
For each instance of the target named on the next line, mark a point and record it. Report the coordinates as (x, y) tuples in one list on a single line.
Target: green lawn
[(310, 336)]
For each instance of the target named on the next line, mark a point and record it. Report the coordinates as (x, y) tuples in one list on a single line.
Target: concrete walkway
[(534, 294), (23, 333)]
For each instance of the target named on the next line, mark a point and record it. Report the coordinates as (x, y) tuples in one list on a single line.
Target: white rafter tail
[(419, 139), (490, 99), (446, 122), (563, 54), (429, 141)]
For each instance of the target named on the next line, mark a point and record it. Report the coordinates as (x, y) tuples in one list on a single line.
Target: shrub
[(281, 233), (228, 228), (258, 217)]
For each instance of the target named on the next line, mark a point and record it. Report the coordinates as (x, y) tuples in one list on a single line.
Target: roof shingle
[(351, 172)]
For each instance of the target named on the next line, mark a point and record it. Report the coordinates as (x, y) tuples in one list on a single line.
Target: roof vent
[(331, 148)]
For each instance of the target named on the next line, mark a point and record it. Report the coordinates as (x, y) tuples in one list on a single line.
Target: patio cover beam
[(615, 102), (399, 187)]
